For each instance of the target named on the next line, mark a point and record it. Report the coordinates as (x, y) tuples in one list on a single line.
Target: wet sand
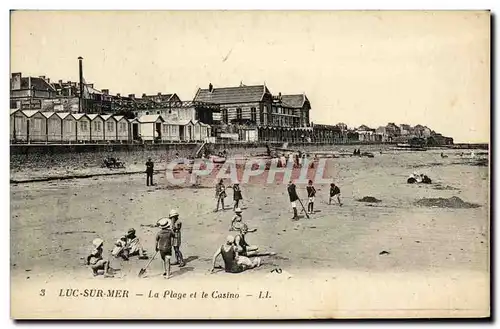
[(53, 223)]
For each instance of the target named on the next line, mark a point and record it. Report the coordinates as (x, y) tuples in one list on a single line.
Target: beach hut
[(82, 127), (36, 126), (54, 132), (122, 130), (151, 126), (96, 127), (13, 131), (68, 123), (109, 127), (134, 129)]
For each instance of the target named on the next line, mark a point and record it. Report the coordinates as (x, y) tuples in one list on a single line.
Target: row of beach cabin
[(31, 126)]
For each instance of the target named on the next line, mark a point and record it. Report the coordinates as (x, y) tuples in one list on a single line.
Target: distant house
[(238, 103), (405, 130), (422, 131), (366, 134), (27, 93), (300, 105), (392, 130)]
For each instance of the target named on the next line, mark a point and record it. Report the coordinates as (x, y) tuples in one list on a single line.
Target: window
[(111, 126), (123, 126), (157, 112), (165, 129), (261, 112), (253, 114), (174, 131), (225, 118), (97, 126), (196, 129), (83, 126), (13, 104), (238, 114)]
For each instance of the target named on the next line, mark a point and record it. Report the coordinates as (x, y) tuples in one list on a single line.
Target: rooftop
[(228, 95)]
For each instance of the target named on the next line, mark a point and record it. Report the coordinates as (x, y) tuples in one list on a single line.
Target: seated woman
[(233, 262)]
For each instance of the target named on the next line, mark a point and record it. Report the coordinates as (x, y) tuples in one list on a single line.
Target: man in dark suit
[(292, 193), (149, 172)]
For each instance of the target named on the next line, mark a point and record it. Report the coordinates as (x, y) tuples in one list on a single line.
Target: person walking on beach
[(236, 195), (176, 241), (220, 194), (163, 244), (334, 192), (311, 193), (292, 194), (149, 172)]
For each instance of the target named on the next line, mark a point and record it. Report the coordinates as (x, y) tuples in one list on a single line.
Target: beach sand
[(53, 223)]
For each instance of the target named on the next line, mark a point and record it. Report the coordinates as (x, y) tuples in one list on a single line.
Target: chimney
[(42, 77), (131, 96), (144, 95), (159, 94), (118, 95), (210, 87), (48, 80), (60, 83), (16, 81), (105, 91)]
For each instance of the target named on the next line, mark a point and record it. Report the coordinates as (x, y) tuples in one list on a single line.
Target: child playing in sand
[(95, 259), (334, 191), (163, 244), (311, 192), (237, 222)]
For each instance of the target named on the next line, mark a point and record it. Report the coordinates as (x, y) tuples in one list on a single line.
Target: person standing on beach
[(334, 191), (236, 195), (220, 194), (292, 194), (163, 244), (176, 241), (311, 192), (149, 172)]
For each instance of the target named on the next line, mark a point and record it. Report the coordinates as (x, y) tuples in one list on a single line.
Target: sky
[(430, 68)]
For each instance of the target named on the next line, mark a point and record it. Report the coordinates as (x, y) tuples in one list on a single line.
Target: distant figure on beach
[(443, 155), (292, 194), (233, 262), (149, 172), (268, 150), (236, 195), (334, 192), (220, 194), (237, 222), (311, 192)]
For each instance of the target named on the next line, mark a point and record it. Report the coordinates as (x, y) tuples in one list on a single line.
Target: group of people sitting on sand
[(418, 178)]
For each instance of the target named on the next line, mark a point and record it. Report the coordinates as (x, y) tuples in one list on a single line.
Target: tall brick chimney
[(105, 91), (131, 96)]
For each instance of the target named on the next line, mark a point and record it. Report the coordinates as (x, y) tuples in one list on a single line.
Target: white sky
[(371, 68)]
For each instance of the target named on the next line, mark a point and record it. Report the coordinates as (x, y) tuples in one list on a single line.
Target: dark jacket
[(149, 166), (311, 191), (292, 193), (237, 193), (334, 190)]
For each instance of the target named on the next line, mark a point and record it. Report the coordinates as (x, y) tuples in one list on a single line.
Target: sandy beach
[(53, 223)]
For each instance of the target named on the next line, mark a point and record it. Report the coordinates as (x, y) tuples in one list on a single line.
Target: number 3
[(42, 292)]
